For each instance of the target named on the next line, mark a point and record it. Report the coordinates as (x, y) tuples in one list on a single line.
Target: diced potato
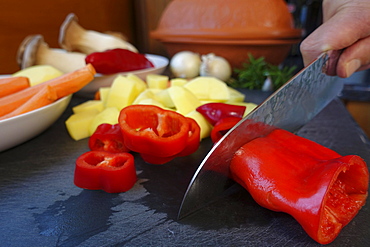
[(140, 84), (78, 124), (235, 96), (89, 105), (178, 82), (209, 88), (157, 81), (164, 97), (146, 94), (150, 102), (39, 73), (109, 115), (184, 100), (104, 92), (122, 93), (205, 126)]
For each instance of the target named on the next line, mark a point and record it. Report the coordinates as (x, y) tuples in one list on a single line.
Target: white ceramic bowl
[(18, 129), (160, 63)]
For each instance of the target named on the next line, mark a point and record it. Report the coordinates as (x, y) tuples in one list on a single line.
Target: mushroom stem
[(73, 37), (35, 51)]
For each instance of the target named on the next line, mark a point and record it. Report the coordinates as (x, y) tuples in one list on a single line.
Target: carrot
[(45, 96), (63, 85), (10, 85)]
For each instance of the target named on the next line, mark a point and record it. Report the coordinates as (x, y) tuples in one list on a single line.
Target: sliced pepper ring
[(100, 170), (154, 131)]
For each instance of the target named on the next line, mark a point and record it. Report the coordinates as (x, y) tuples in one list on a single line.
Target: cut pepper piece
[(152, 130), (117, 60), (222, 127), (100, 170), (321, 189), (108, 137), (214, 112)]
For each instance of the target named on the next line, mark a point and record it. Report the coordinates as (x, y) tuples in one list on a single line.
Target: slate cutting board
[(40, 206)]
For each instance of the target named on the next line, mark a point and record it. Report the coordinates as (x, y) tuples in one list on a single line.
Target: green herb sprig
[(255, 71)]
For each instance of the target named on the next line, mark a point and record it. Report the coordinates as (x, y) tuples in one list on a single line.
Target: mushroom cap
[(63, 31), (27, 51)]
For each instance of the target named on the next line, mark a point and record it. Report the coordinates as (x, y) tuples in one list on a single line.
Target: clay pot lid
[(232, 19)]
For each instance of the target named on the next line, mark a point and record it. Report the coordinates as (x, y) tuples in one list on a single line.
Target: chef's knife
[(289, 108)]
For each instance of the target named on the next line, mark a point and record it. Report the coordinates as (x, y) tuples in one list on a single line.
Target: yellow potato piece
[(178, 82), (78, 124), (108, 115), (146, 94), (235, 95), (164, 97), (150, 102), (184, 100), (104, 92), (157, 81), (122, 92), (140, 84), (39, 73), (89, 105), (205, 126), (209, 88)]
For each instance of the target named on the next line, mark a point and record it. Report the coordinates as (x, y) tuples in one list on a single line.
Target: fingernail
[(352, 66)]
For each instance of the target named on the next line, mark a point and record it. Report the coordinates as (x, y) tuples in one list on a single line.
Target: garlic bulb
[(185, 64), (215, 66)]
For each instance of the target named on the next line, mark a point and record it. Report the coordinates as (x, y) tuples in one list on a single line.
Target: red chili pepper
[(111, 172), (222, 126), (158, 134), (108, 137), (117, 60), (214, 112), (322, 190)]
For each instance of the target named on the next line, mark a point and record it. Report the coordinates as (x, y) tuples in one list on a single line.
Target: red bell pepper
[(321, 189), (214, 112), (222, 126), (118, 60), (191, 146), (108, 137), (100, 170), (158, 135)]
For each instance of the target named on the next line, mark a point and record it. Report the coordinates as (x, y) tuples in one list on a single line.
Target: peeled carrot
[(63, 85), (45, 96), (10, 85)]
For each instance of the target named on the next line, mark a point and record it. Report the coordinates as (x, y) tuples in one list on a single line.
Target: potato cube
[(78, 124), (89, 105), (205, 126), (157, 81), (109, 115), (122, 93), (39, 73), (209, 88), (184, 100)]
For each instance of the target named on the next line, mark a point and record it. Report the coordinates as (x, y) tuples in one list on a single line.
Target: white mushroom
[(35, 51), (73, 37)]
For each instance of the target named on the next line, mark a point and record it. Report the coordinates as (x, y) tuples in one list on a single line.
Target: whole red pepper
[(214, 112), (158, 135), (117, 60), (322, 190), (100, 170), (107, 137), (222, 126)]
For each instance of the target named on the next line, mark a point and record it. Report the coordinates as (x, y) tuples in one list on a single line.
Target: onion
[(215, 66), (185, 64)]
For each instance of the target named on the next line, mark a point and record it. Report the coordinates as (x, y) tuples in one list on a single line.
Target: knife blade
[(290, 107)]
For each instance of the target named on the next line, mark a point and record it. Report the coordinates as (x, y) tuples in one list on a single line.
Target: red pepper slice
[(222, 126), (108, 137), (111, 172), (322, 190), (117, 60), (192, 146), (151, 130), (214, 112)]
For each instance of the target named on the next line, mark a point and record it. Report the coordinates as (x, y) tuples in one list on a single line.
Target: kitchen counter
[(40, 205)]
